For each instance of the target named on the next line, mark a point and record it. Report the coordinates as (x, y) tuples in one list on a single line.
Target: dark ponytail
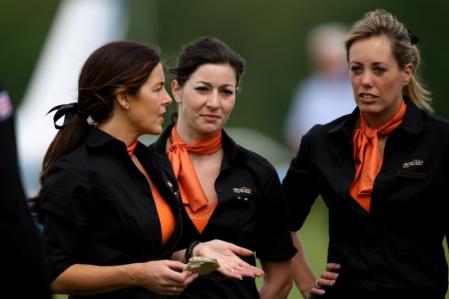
[(68, 138)]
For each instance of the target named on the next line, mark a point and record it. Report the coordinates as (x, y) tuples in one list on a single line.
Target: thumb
[(176, 266)]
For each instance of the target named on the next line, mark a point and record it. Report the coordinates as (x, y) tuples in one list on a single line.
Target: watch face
[(202, 265)]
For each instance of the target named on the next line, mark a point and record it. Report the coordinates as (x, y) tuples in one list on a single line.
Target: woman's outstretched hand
[(227, 255)]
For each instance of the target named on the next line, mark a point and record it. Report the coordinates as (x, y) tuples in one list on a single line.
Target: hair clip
[(413, 38)]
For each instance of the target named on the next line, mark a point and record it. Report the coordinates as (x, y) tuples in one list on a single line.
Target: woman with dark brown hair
[(108, 231), (227, 192)]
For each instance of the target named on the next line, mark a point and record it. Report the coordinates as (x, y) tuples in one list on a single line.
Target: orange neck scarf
[(367, 156), (193, 197), (131, 148), (166, 217)]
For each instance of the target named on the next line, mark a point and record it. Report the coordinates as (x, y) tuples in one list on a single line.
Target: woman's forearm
[(80, 279), (277, 280), (302, 273)]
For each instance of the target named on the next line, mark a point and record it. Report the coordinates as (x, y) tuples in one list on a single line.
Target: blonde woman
[(381, 171)]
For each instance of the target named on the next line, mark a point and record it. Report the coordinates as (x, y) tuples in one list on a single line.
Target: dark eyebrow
[(205, 83), (208, 84)]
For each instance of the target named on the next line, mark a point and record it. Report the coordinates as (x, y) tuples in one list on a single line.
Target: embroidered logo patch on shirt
[(242, 192), (412, 169), (414, 162)]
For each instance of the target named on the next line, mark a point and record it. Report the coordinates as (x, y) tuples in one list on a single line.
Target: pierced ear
[(122, 100), (176, 91)]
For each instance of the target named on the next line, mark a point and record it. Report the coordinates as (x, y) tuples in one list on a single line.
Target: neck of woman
[(118, 130)]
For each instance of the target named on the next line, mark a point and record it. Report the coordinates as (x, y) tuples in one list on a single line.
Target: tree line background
[(270, 35)]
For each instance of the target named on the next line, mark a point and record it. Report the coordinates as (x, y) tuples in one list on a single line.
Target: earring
[(127, 107)]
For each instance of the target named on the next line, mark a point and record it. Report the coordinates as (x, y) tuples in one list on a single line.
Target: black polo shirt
[(99, 210), (397, 247), (250, 213)]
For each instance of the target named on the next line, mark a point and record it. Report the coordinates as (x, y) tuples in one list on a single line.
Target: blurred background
[(40, 62)]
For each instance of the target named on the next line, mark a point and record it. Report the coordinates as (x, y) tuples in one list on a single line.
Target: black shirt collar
[(102, 141), (413, 121), (230, 149), (97, 138)]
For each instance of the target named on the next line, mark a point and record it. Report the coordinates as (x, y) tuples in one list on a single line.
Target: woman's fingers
[(230, 272), (239, 271), (176, 266), (175, 286), (318, 291), (242, 268), (327, 279), (249, 270), (240, 250), (333, 267), (165, 277)]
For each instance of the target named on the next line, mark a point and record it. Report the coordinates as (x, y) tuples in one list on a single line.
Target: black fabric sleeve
[(65, 198), (21, 255), (273, 236), (299, 185)]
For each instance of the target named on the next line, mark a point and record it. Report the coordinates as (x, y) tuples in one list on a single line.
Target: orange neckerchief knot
[(191, 191), (367, 156)]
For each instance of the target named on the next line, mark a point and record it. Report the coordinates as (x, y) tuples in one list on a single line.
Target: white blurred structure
[(80, 26)]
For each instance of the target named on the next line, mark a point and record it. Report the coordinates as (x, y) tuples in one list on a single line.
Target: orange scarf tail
[(367, 156), (195, 201), (164, 212)]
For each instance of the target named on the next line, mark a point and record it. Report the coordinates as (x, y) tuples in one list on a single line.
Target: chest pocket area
[(236, 213), (242, 196), (240, 203)]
